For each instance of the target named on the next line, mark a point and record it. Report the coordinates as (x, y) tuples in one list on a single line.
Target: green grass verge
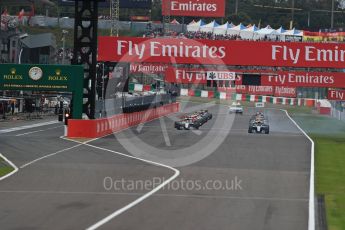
[(4, 168), (329, 137)]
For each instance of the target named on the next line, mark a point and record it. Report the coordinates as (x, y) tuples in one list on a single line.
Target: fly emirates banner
[(199, 8), (277, 78), (231, 52)]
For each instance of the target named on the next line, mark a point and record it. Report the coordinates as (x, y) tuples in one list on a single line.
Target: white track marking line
[(140, 127), (27, 127), (311, 219), (156, 195), (165, 132), (11, 164), (41, 130), (140, 199), (23, 134), (49, 155)]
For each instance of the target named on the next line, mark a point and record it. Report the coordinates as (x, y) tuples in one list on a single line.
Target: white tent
[(195, 26), (209, 27), (266, 32), (175, 22), (280, 30), (221, 30), (294, 32), (249, 32), (236, 29), (293, 35)]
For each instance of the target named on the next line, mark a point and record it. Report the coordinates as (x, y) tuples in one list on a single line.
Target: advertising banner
[(199, 8), (185, 76), (241, 89), (147, 68), (282, 91), (305, 79), (220, 75), (62, 78), (216, 52), (336, 95), (260, 90)]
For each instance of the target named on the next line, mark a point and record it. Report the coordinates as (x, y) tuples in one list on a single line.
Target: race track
[(267, 176)]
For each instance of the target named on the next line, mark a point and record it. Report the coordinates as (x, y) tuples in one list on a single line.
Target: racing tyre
[(267, 132), (250, 131)]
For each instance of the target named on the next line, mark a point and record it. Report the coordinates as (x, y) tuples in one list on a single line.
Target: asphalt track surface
[(266, 177)]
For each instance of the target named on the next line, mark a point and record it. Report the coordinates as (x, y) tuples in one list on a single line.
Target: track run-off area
[(153, 176)]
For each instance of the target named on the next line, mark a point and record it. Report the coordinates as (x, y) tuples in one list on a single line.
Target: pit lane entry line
[(27, 127), (138, 200)]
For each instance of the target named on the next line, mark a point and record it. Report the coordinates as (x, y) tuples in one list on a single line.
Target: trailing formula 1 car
[(236, 108), (259, 124), (194, 120)]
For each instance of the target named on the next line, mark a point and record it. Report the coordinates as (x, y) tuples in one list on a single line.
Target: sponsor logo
[(337, 95), (206, 8), (57, 76), (158, 49), (311, 54), (221, 76), (13, 75)]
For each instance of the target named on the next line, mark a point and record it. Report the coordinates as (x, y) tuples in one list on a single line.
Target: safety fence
[(249, 98), (105, 126)]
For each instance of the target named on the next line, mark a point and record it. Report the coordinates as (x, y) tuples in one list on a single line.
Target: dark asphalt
[(266, 177)]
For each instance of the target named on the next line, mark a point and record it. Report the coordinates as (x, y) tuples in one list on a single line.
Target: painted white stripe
[(49, 155), (165, 132), (140, 199), (41, 130), (23, 134), (11, 164), (311, 218), (27, 127)]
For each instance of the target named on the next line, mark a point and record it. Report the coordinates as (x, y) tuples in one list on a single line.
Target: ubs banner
[(45, 78), (213, 52), (199, 8)]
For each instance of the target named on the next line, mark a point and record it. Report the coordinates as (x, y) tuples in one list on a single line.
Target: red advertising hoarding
[(228, 52), (305, 79), (199, 8), (282, 91), (260, 90), (147, 68), (336, 95), (278, 78)]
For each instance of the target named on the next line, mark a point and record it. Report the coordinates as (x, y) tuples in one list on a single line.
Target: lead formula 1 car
[(259, 124)]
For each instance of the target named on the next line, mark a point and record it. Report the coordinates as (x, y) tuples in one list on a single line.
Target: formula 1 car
[(259, 124), (236, 108), (194, 120)]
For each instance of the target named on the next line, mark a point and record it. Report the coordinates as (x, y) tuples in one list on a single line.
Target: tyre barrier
[(78, 128)]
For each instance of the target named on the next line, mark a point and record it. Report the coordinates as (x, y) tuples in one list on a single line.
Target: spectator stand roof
[(236, 29), (249, 32), (222, 29), (209, 27), (195, 26)]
